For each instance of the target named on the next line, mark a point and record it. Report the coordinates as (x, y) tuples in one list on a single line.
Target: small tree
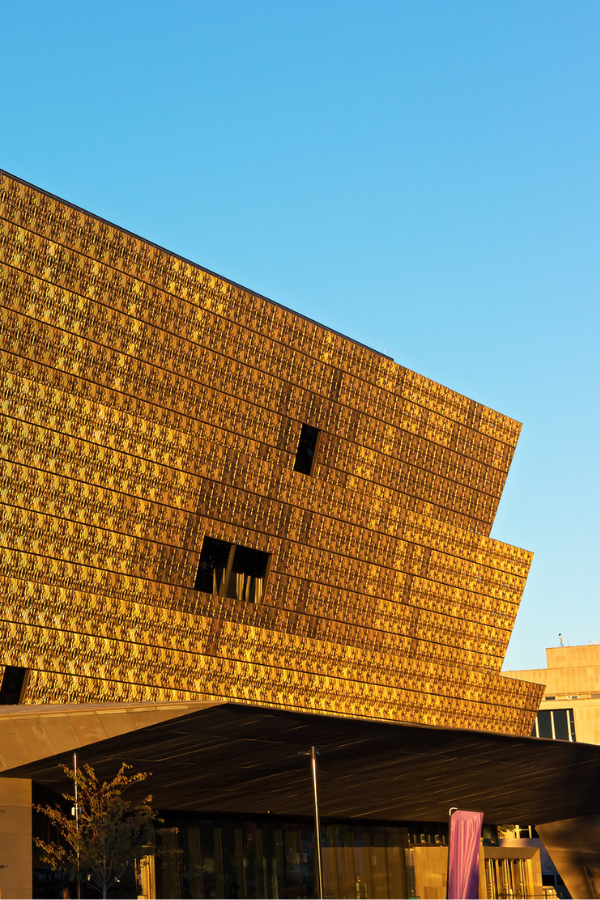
[(110, 832)]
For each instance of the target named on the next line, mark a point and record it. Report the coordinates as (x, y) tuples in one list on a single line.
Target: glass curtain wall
[(230, 857), (233, 856)]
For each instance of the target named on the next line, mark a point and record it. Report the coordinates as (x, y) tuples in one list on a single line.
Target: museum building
[(230, 533)]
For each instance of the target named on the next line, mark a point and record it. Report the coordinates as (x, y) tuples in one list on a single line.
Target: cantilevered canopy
[(236, 758)]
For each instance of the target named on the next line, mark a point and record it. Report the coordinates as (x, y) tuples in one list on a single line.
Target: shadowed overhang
[(235, 758)]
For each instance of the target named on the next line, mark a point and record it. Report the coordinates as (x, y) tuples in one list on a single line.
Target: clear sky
[(421, 175)]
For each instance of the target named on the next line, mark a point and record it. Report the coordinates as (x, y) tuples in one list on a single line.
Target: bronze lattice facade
[(206, 495)]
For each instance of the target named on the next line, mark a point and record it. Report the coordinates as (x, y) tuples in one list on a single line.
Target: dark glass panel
[(561, 724), (229, 863), (545, 723), (169, 863)]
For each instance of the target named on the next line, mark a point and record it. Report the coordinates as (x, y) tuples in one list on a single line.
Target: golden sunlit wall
[(148, 404)]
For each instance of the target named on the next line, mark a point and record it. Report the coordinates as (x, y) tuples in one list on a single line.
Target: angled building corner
[(208, 497)]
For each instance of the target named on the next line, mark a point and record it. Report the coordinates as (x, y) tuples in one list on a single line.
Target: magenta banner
[(463, 859)]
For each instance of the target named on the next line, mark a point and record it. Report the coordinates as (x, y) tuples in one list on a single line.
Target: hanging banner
[(463, 854)]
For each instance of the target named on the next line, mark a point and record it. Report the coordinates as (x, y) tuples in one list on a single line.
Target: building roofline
[(190, 262)]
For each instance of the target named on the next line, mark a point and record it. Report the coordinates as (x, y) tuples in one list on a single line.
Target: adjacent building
[(570, 706)]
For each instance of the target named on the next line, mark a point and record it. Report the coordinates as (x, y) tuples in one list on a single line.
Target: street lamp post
[(313, 766), (76, 811)]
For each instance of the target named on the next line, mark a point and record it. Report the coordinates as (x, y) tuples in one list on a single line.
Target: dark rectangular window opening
[(14, 685), (306, 449), (212, 567), (230, 570), (556, 724)]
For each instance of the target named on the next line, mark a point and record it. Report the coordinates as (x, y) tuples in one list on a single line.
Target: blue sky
[(422, 176)]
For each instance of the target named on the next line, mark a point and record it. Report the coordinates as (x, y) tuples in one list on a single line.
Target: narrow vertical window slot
[(305, 454)]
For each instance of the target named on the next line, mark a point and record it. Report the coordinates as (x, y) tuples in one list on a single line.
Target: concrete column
[(15, 838)]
